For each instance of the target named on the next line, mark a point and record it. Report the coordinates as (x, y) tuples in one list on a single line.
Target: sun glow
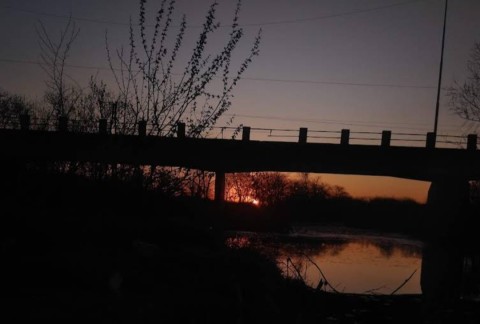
[(255, 202)]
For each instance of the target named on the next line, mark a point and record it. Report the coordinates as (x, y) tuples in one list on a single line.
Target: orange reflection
[(359, 267)]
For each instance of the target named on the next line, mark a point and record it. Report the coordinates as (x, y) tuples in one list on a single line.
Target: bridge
[(447, 168)]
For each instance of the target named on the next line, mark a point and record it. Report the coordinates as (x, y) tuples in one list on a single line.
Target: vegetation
[(76, 249), (465, 97), (148, 85), (465, 100), (150, 89), (274, 188), (10, 105), (155, 86)]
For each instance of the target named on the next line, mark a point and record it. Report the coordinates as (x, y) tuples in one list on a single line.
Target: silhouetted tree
[(270, 188), (197, 183), (94, 103), (152, 89), (465, 97), (153, 85), (61, 95), (11, 106), (308, 188), (239, 187), (339, 192)]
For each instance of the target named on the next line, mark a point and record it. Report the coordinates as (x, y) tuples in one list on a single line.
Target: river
[(360, 262)]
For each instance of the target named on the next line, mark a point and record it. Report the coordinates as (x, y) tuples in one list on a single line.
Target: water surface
[(350, 263)]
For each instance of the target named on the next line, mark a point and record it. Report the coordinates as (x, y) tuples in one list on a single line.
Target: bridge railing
[(99, 125), (385, 138), (302, 135)]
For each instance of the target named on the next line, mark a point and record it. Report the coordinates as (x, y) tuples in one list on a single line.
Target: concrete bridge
[(449, 170), (221, 155)]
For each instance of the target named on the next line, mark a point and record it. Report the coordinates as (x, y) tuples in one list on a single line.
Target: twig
[(372, 291), (404, 283), (295, 268), (321, 273)]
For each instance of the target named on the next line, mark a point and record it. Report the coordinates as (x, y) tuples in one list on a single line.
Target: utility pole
[(435, 126)]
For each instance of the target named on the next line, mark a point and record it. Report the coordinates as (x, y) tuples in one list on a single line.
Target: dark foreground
[(77, 251)]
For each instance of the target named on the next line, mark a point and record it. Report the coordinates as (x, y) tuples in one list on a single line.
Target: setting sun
[(255, 202)]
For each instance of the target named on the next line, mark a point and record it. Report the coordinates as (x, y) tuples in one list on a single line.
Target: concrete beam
[(447, 201), (219, 186)]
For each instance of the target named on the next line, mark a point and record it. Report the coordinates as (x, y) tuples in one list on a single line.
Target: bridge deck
[(241, 156)]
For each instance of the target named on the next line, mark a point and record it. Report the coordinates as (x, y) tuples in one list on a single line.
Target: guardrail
[(302, 135), (385, 138)]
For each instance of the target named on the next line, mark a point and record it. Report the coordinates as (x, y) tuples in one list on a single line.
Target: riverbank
[(75, 251)]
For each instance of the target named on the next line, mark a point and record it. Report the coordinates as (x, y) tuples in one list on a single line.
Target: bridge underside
[(242, 156)]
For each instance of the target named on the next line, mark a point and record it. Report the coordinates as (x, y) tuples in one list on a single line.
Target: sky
[(365, 65)]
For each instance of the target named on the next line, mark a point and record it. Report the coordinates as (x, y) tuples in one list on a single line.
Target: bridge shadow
[(450, 280)]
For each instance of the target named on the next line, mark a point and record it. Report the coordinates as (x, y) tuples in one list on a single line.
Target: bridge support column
[(446, 206), (219, 186)]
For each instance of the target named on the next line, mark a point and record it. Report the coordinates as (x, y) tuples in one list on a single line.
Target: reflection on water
[(442, 271), (351, 264), (360, 267)]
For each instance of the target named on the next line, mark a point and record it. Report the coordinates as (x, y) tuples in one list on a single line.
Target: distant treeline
[(273, 188), (36, 193)]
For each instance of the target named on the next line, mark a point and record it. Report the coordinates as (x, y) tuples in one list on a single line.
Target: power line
[(337, 122), (52, 15), (342, 14), (86, 67), (357, 84), (259, 24), (324, 121)]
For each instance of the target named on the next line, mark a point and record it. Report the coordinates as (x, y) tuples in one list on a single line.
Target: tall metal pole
[(435, 126)]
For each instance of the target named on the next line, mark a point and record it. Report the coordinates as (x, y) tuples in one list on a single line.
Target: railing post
[(302, 135), (345, 137), (386, 137), (114, 109), (62, 124), (219, 186), (102, 126), (246, 134), (180, 130), (24, 122), (431, 139), (472, 142), (142, 128)]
